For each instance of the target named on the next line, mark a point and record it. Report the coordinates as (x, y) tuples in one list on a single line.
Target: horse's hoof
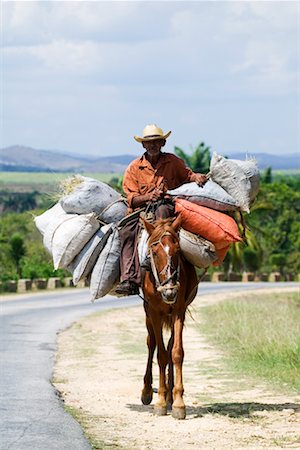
[(160, 410), (147, 397), (169, 406), (178, 413)]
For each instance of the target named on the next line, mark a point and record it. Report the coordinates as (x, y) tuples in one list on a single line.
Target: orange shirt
[(141, 178)]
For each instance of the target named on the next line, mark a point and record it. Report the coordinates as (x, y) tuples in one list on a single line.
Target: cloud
[(32, 23), (96, 63)]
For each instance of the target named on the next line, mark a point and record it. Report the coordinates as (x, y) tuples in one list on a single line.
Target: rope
[(123, 200)]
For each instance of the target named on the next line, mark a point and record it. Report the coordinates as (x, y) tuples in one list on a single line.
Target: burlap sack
[(43, 220), (239, 178), (70, 236), (107, 268), (85, 261), (197, 250), (91, 195), (210, 195), (216, 227)]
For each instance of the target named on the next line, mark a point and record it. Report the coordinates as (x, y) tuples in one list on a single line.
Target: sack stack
[(80, 232), (233, 186)]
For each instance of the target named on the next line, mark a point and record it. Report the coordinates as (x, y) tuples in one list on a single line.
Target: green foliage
[(18, 201), (116, 183), (22, 254), (275, 220), (17, 250), (270, 350), (267, 177), (272, 235), (251, 259), (199, 160)]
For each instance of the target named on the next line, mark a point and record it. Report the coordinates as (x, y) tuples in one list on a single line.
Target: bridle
[(163, 286)]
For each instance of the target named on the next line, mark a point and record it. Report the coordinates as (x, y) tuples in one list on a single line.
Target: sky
[(86, 76)]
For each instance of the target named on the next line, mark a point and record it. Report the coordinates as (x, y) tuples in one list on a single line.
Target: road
[(32, 416)]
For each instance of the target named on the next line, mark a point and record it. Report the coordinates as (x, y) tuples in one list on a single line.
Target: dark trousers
[(129, 261)]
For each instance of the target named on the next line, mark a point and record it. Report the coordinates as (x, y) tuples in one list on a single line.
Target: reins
[(162, 285)]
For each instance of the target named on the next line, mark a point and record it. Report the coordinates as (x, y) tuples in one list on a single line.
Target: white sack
[(55, 223), (114, 212), (89, 196), (210, 195), (197, 250), (251, 170), (143, 245), (70, 237), (43, 220), (239, 178), (85, 261), (107, 268)]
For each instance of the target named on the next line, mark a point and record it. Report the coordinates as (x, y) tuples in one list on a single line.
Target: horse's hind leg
[(178, 407), (147, 392)]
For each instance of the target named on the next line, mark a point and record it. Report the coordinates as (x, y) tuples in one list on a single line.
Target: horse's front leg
[(170, 370), (178, 407), (147, 392), (160, 407)]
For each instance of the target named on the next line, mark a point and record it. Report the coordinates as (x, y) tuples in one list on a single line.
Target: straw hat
[(152, 132)]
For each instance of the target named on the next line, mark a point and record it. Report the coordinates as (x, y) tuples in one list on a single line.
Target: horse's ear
[(147, 225), (177, 223)]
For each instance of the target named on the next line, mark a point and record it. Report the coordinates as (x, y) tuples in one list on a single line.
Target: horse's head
[(164, 253)]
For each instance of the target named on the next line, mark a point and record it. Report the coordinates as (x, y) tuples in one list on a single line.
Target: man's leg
[(129, 261)]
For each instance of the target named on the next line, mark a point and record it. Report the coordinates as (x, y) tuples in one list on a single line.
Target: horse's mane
[(163, 226)]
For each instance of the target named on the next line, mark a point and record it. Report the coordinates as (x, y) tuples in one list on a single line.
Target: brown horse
[(168, 289)]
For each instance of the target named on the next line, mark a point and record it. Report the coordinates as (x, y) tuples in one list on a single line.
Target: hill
[(27, 159)]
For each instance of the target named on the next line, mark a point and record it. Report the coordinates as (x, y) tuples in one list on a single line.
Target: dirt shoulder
[(99, 371)]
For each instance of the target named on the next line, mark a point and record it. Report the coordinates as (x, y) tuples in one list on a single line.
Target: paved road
[(31, 415)]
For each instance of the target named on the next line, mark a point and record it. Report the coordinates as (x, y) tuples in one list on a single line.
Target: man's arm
[(131, 189)]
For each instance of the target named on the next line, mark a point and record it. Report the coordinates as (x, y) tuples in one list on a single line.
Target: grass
[(36, 178), (286, 172), (259, 335), (85, 419), (286, 441)]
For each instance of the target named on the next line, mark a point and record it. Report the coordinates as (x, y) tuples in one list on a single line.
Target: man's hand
[(141, 200), (156, 194), (200, 179)]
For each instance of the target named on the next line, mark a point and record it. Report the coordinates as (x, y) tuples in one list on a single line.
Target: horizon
[(83, 155), (86, 77)]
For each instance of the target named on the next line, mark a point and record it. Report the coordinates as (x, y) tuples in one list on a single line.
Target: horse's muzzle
[(169, 293)]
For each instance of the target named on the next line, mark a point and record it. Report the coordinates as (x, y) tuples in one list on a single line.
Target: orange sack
[(221, 255), (216, 227)]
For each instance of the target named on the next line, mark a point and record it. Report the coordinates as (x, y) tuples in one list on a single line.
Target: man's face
[(154, 147)]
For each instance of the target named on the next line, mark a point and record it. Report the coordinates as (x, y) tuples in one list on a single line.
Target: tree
[(267, 177), (17, 250), (199, 160), (251, 259), (275, 217)]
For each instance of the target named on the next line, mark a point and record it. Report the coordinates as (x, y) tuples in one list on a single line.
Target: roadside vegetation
[(260, 336), (272, 233)]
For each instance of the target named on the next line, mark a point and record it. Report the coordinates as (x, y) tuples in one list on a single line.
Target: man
[(145, 183)]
